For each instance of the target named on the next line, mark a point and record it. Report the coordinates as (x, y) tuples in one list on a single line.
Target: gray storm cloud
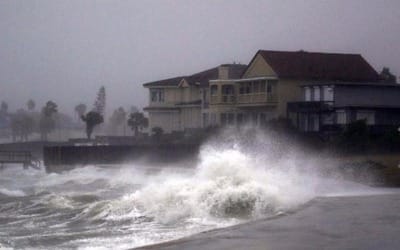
[(65, 50)]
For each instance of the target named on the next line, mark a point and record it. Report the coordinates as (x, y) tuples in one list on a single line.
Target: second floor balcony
[(244, 99), (223, 99), (256, 98)]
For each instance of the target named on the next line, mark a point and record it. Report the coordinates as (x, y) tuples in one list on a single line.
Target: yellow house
[(274, 78), (235, 94), (177, 104)]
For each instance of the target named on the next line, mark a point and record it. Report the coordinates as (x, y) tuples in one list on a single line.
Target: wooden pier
[(19, 157)]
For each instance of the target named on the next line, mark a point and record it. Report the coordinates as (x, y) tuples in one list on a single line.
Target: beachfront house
[(274, 78), (329, 107), (235, 94), (178, 104)]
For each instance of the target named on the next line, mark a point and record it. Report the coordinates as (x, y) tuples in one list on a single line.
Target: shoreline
[(371, 168), (325, 223)]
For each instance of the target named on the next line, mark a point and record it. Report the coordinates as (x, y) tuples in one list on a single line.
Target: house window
[(262, 86), (205, 100), (227, 119), (263, 119), (223, 119), (248, 88), (157, 95), (341, 117), (214, 90), (328, 94), (206, 122), (328, 119), (254, 118), (227, 90), (269, 88), (241, 88), (368, 116), (213, 119), (317, 94), (256, 87), (239, 119), (231, 118), (307, 94)]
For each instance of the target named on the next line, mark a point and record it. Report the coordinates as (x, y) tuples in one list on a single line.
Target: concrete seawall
[(60, 158), (358, 222)]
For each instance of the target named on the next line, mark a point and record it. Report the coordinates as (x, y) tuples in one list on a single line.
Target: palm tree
[(92, 119), (80, 109), (47, 123), (30, 105), (137, 121), (3, 108)]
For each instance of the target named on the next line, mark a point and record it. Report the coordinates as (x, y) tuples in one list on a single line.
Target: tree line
[(24, 122)]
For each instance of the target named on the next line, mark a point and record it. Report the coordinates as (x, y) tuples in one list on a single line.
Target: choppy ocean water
[(110, 207)]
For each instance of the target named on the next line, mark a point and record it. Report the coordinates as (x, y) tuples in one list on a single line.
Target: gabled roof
[(304, 65), (356, 84), (166, 82), (202, 78)]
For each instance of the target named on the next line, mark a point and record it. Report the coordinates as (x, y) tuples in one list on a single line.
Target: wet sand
[(352, 222)]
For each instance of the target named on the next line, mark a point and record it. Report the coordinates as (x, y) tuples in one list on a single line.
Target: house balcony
[(243, 100), (224, 99), (256, 99)]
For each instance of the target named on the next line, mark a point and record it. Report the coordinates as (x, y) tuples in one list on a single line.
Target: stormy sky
[(65, 50)]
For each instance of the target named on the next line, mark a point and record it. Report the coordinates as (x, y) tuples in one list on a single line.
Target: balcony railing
[(256, 98), (229, 99), (243, 99)]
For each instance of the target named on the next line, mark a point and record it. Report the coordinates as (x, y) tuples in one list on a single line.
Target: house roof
[(166, 82), (372, 84), (319, 66), (202, 78)]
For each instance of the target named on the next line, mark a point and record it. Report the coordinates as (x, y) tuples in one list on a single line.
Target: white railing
[(243, 98), (256, 98)]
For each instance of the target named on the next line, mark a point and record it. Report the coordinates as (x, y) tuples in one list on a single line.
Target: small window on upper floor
[(241, 88), (157, 95), (269, 88), (317, 94), (307, 94), (227, 90), (328, 93), (262, 86), (214, 90)]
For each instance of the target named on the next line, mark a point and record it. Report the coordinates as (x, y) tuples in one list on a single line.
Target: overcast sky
[(64, 50)]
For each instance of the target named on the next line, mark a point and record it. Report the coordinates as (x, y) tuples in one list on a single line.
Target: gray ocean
[(121, 207)]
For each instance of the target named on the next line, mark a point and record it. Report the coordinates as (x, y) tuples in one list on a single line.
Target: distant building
[(329, 107)]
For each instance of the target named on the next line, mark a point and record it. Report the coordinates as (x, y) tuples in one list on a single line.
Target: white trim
[(258, 78), (161, 87)]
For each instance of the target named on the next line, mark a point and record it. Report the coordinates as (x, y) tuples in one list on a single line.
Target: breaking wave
[(120, 208), (11, 193), (227, 184)]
